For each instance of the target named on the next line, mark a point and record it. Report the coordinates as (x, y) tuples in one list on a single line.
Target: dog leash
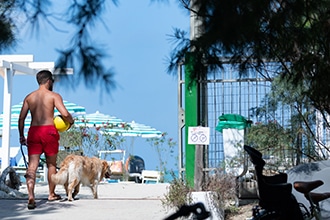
[(25, 162)]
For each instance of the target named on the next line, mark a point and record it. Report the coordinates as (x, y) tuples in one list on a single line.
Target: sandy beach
[(123, 200)]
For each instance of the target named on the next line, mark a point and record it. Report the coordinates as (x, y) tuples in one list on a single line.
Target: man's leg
[(31, 177), (51, 165)]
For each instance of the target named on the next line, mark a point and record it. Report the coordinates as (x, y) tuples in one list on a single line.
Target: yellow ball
[(60, 124)]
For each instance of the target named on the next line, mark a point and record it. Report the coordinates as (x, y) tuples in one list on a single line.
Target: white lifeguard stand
[(11, 65)]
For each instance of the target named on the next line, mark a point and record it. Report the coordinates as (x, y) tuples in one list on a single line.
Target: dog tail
[(61, 177)]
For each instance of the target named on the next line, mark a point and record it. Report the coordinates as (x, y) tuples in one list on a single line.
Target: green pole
[(190, 118)]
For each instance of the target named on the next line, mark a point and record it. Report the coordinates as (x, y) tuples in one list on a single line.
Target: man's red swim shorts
[(43, 139)]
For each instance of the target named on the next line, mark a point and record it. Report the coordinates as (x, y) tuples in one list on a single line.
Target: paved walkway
[(124, 200)]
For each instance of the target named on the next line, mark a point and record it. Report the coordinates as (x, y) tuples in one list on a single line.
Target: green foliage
[(90, 140), (298, 138), (292, 34), (71, 138), (82, 52), (179, 193), (7, 25), (272, 140), (222, 185), (271, 136), (164, 147)]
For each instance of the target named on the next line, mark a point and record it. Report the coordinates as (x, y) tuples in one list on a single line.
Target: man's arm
[(21, 120), (62, 109)]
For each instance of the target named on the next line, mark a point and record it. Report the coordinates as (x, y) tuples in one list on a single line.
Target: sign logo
[(199, 135)]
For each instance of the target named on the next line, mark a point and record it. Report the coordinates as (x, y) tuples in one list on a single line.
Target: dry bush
[(179, 194), (223, 185)]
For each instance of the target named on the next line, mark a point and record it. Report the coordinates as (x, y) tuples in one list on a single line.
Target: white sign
[(199, 135)]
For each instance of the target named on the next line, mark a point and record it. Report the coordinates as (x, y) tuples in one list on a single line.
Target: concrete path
[(123, 200)]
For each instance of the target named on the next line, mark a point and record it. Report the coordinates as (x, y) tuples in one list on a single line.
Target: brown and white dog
[(76, 170)]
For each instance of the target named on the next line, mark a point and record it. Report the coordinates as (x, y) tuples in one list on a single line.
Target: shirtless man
[(42, 135)]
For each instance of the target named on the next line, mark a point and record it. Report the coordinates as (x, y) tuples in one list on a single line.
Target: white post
[(45, 169), (7, 91)]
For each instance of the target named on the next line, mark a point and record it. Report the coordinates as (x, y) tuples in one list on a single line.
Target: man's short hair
[(43, 76)]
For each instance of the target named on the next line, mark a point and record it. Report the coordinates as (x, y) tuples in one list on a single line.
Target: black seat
[(271, 189), (274, 192)]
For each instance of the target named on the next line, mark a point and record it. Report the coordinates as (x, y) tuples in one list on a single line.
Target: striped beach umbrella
[(113, 125), (97, 119), (73, 108), (134, 129)]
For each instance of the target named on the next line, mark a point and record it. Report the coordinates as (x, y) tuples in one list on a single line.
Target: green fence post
[(191, 117)]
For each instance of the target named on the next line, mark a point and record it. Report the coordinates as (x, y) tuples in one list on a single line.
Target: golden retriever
[(76, 170)]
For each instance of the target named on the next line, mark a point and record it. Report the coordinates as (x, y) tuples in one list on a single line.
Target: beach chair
[(115, 159), (150, 175)]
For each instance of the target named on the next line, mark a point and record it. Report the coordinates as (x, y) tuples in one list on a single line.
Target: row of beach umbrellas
[(74, 109), (113, 124)]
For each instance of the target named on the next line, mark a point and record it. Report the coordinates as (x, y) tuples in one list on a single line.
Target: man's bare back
[(41, 104)]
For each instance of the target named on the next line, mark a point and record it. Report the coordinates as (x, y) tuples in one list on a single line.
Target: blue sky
[(137, 41)]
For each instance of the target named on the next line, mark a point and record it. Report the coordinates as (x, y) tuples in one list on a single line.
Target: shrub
[(223, 185)]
